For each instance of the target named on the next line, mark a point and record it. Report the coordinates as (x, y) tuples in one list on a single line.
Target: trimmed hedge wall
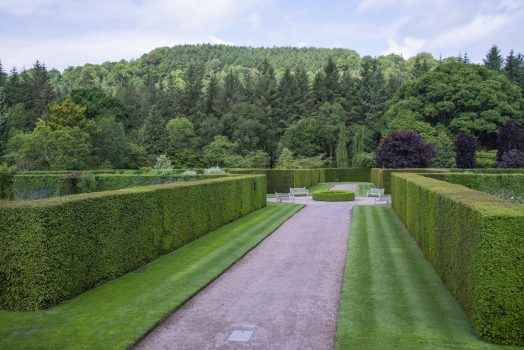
[(57, 248), (46, 185), (475, 241), (334, 195), (347, 174), (281, 180), (491, 183), (381, 177)]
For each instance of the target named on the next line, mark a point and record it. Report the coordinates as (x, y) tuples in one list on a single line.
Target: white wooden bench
[(377, 193), (282, 197), (299, 191)]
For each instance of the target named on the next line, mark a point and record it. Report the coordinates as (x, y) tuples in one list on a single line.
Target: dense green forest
[(217, 105)]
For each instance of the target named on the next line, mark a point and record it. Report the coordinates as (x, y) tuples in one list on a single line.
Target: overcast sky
[(62, 33)]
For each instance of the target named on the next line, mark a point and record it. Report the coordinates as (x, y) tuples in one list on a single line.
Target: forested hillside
[(207, 105)]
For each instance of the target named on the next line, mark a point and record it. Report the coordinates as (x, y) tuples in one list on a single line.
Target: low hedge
[(334, 195), (381, 177), (475, 242), (56, 248)]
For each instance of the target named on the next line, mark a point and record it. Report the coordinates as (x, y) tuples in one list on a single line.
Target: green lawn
[(391, 297), (321, 187), (117, 314)]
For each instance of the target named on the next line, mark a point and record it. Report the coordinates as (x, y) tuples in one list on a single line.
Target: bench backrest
[(298, 190)]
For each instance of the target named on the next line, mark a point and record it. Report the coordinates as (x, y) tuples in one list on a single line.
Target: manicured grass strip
[(362, 188), (118, 313), (391, 296), (321, 187)]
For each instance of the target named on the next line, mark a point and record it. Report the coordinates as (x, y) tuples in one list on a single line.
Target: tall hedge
[(54, 249), (475, 242), (381, 177), (491, 183), (281, 180), (347, 174), (42, 185)]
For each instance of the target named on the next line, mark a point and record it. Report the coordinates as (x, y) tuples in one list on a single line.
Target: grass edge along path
[(118, 313), (391, 296)]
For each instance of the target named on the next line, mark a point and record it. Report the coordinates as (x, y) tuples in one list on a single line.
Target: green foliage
[(475, 243), (464, 98), (443, 145), (487, 159), (334, 195), (60, 247), (304, 138), (110, 143), (342, 148), (364, 160), (219, 150), (155, 135), (45, 148), (162, 166), (6, 182), (67, 114)]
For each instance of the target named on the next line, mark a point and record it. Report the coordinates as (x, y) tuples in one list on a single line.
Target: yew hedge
[(475, 242), (56, 248)]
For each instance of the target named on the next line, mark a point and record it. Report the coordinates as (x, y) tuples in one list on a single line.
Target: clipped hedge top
[(334, 195), (485, 203), (122, 192)]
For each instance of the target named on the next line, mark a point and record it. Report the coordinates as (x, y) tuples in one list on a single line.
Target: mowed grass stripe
[(118, 313), (391, 296)]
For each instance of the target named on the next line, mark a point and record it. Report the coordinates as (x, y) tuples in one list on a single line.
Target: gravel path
[(286, 290)]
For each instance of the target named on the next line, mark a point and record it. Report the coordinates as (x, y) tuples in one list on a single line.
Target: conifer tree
[(155, 134), (493, 59), (341, 152)]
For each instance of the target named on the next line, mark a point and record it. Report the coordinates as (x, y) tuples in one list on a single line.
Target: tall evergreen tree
[(373, 93), (494, 59), (341, 152), (331, 81), (512, 68), (193, 78), (155, 134), (38, 88), (212, 101)]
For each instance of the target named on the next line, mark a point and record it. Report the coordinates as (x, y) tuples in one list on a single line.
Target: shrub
[(54, 249), (475, 243), (334, 195), (214, 170), (487, 159), (163, 166), (514, 158), (7, 175), (189, 172), (403, 149), (510, 137), (364, 160), (465, 148)]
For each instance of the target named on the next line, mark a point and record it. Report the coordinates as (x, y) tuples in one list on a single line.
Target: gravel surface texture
[(286, 290)]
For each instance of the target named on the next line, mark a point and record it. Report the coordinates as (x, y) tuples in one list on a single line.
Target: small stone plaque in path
[(243, 336)]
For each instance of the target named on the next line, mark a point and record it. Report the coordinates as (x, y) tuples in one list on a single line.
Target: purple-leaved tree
[(404, 149), (465, 151)]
